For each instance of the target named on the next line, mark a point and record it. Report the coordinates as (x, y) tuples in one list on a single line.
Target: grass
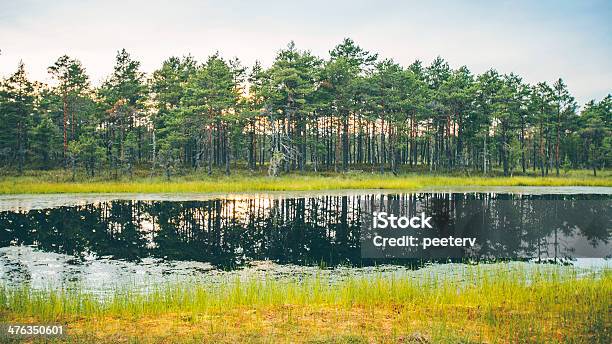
[(41, 182), (497, 304)]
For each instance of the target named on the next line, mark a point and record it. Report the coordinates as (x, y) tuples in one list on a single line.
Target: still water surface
[(100, 240)]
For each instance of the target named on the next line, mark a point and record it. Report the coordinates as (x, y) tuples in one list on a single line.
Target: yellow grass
[(490, 305), (243, 183)]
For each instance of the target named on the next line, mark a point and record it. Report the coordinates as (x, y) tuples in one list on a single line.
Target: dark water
[(321, 230)]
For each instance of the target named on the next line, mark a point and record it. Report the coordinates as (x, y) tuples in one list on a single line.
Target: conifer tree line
[(351, 111)]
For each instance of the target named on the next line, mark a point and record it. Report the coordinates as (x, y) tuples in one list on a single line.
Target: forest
[(353, 111)]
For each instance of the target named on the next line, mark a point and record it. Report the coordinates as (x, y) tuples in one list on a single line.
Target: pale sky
[(539, 40)]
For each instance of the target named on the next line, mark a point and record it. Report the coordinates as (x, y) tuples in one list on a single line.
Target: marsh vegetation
[(501, 303), (278, 268)]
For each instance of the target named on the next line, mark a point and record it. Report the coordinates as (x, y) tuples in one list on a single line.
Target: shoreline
[(306, 183), (496, 304), (32, 201)]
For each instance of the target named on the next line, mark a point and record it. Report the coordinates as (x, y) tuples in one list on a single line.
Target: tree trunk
[(382, 147), (65, 103), (228, 151), (523, 144), (345, 143), (210, 150), (558, 138)]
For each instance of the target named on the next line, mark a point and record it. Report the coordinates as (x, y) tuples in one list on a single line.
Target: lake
[(104, 240)]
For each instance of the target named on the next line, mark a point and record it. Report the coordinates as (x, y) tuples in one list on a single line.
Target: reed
[(498, 303)]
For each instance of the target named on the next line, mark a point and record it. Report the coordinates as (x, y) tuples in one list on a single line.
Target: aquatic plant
[(490, 303)]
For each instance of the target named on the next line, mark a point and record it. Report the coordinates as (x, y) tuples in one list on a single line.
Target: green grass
[(493, 304), (38, 182)]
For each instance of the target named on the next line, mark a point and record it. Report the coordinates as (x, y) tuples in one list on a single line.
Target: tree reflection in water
[(305, 231)]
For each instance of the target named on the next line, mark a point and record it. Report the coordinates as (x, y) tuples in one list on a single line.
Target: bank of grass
[(492, 305), (59, 182)]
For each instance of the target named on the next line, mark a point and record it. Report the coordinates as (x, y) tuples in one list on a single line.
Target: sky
[(538, 40)]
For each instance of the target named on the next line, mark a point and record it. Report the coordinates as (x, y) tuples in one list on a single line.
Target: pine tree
[(17, 102)]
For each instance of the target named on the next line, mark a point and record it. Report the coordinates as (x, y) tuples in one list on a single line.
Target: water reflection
[(322, 230)]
